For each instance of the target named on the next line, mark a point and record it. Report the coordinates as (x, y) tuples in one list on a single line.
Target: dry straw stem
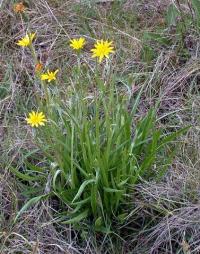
[(36, 231)]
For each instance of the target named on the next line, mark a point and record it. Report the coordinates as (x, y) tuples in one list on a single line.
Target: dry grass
[(165, 215)]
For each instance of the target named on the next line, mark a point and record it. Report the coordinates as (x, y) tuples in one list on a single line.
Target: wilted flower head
[(77, 44), (49, 75), (26, 40), (19, 7), (38, 67), (36, 119), (102, 49)]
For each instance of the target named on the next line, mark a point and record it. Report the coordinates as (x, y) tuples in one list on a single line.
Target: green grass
[(99, 147)]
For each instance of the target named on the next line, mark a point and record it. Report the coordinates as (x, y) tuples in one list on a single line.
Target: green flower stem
[(34, 54), (46, 93)]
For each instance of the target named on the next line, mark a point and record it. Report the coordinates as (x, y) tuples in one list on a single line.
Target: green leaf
[(23, 176), (158, 37), (94, 193), (172, 14), (172, 136), (98, 222), (77, 218), (123, 182), (122, 217), (33, 168), (148, 53), (29, 204), (57, 173), (82, 187), (110, 190), (82, 202), (196, 6)]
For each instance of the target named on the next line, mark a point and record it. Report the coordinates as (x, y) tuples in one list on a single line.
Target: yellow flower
[(49, 75), (36, 118), (102, 49), (77, 44), (19, 7), (27, 40)]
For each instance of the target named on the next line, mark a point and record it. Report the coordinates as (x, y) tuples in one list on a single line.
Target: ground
[(151, 50)]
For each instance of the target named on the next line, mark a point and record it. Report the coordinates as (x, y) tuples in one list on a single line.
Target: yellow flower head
[(102, 49), (19, 7), (36, 119), (49, 75), (77, 44), (27, 40)]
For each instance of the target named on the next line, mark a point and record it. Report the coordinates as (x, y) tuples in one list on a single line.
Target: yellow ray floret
[(77, 44), (49, 75), (36, 119), (102, 49), (27, 40)]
